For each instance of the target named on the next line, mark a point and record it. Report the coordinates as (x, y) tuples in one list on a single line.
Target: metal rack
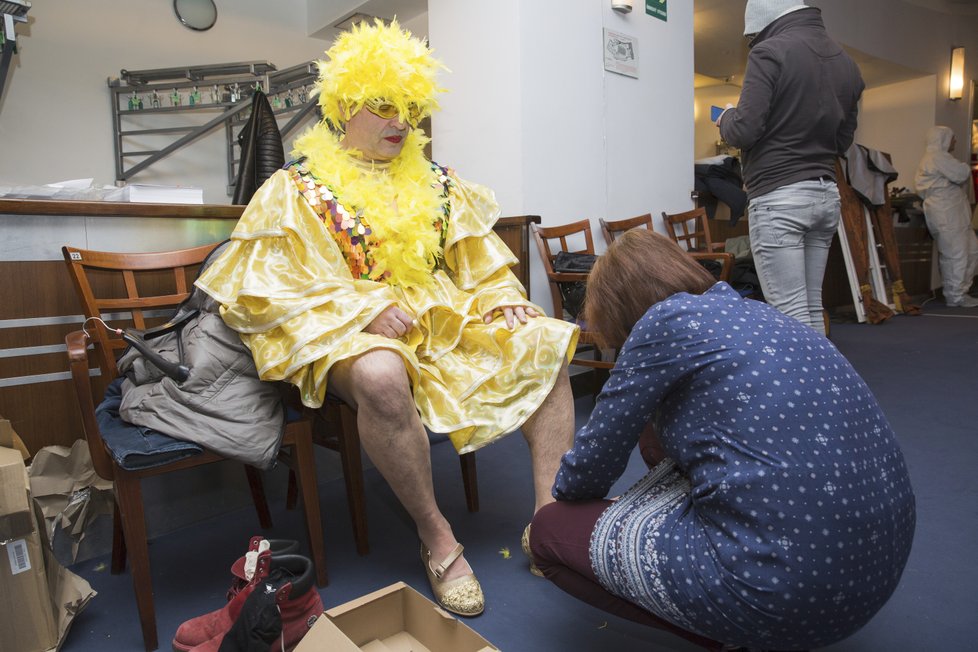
[(11, 13), (221, 90), (287, 82)]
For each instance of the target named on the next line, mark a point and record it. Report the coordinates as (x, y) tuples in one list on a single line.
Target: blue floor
[(922, 369)]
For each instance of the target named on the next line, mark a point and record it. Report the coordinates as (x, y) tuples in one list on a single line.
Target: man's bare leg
[(377, 385), (550, 434)]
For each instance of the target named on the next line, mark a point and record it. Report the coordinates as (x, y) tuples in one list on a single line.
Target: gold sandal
[(462, 595), (525, 542)]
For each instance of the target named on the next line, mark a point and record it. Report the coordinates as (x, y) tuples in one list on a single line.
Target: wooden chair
[(691, 230), (147, 286), (551, 240), (611, 229)]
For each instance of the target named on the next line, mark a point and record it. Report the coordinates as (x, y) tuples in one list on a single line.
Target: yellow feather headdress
[(377, 62)]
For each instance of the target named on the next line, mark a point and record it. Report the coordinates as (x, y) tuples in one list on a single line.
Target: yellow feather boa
[(400, 203)]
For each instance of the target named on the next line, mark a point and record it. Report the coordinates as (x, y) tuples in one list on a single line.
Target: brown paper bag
[(70, 495)]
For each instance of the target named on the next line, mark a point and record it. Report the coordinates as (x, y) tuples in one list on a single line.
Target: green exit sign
[(657, 8)]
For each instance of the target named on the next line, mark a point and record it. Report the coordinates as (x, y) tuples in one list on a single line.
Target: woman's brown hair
[(640, 269)]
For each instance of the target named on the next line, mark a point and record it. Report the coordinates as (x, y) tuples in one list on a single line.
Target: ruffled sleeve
[(284, 286), (478, 260)]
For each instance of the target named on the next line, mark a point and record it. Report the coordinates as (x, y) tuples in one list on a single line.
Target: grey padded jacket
[(223, 405)]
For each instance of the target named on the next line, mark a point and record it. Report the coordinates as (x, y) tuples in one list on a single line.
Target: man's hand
[(725, 109), (393, 323), (511, 314)]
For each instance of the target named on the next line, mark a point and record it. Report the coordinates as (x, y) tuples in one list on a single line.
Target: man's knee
[(376, 377)]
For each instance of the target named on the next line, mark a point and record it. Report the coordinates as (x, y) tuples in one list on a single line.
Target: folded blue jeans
[(791, 230), (135, 447)]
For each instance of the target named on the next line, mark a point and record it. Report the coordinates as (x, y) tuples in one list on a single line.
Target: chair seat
[(134, 447)]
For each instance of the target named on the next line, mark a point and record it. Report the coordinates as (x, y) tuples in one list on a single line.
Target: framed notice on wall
[(620, 53)]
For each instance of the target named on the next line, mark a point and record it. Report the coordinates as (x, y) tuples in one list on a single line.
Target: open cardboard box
[(38, 597), (10, 439), (394, 619)]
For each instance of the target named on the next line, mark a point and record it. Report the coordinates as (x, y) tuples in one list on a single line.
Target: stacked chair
[(711, 252), (572, 238)]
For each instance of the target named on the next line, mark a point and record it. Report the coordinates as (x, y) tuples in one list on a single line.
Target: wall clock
[(198, 15)]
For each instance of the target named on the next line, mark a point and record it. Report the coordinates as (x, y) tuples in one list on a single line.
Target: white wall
[(917, 38), (479, 128), (532, 113), (566, 106), (649, 122), (894, 119), (55, 116)]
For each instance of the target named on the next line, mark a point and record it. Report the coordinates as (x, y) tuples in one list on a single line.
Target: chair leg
[(118, 541), (471, 481), (305, 465), (257, 486), (352, 461), (291, 492), (129, 495)]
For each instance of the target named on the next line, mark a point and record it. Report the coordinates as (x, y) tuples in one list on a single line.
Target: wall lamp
[(955, 88), (621, 6)]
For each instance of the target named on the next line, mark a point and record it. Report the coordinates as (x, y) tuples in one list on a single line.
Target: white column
[(532, 113)]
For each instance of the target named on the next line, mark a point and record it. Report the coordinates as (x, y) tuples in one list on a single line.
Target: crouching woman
[(780, 515)]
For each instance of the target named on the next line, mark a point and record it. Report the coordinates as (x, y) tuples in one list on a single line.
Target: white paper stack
[(145, 193)]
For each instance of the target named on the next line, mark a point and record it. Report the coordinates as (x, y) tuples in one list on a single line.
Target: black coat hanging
[(261, 149)]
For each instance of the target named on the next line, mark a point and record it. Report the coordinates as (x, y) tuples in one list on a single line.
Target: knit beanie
[(761, 13)]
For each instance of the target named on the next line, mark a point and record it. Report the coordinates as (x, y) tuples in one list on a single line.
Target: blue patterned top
[(784, 515)]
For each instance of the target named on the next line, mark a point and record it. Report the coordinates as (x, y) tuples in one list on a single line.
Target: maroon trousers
[(560, 539)]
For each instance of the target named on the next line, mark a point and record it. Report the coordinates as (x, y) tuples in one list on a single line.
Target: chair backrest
[(129, 290), (137, 290), (611, 229), (689, 229), (553, 239)]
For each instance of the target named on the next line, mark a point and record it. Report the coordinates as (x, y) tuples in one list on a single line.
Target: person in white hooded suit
[(940, 182)]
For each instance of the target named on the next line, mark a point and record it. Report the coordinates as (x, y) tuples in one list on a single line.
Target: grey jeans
[(791, 230)]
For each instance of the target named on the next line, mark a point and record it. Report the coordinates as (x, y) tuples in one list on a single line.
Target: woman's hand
[(393, 323), (511, 314)]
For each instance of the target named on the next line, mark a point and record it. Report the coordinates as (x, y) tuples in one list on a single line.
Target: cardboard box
[(24, 598), (393, 619), (9, 439), (38, 597)]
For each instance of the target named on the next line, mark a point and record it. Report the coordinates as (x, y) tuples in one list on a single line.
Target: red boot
[(201, 629), (240, 572), (278, 611)]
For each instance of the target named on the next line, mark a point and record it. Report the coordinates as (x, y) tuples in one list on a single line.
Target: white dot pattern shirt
[(784, 515)]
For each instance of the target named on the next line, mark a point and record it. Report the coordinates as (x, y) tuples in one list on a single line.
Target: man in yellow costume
[(367, 270)]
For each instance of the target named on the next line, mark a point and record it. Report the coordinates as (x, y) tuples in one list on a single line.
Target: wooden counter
[(118, 209), (38, 305)]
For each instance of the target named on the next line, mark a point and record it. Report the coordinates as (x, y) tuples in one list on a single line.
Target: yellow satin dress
[(287, 288)]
